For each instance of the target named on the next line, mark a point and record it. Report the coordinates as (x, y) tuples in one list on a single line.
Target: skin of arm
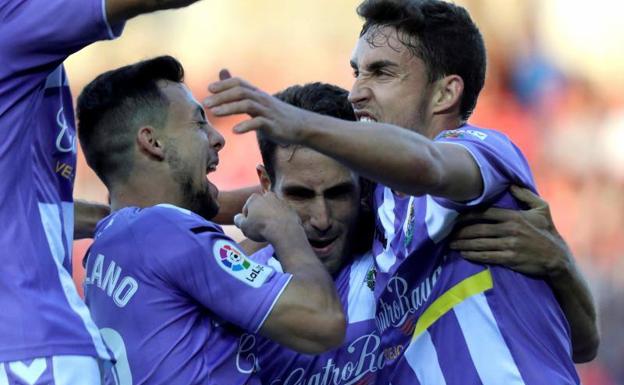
[(86, 216), (396, 157), (528, 242), (118, 11), (232, 202), (308, 316)]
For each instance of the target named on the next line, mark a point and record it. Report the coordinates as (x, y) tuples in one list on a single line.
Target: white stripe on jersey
[(361, 299), (422, 357), (439, 220), (3, 377), (75, 370), (66, 370), (50, 216), (484, 340), (385, 212)]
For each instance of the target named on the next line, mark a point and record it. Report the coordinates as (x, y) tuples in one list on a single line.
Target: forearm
[(86, 217), (232, 202), (118, 11), (396, 157), (393, 156), (309, 317), (576, 301), (298, 258)]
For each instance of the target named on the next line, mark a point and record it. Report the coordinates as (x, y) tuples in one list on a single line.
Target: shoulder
[(472, 133), (169, 226)]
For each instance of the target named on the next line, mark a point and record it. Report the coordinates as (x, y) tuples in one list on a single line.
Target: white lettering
[(110, 278), (122, 298), (402, 304), (121, 292)]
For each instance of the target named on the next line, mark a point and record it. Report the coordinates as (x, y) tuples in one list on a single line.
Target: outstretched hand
[(523, 240), (233, 96)]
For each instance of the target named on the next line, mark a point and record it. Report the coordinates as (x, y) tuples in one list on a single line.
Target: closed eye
[(341, 191), (298, 193)]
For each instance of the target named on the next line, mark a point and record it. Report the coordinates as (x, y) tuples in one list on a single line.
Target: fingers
[(224, 74), (491, 215), (249, 125), (229, 95), (246, 106), (239, 221), (484, 244), (528, 197), (482, 230), (227, 83), (503, 257)]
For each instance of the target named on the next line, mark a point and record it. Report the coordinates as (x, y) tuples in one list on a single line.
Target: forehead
[(311, 169), (381, 43), (182, 104)]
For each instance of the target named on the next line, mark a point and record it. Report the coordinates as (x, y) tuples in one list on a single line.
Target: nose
[(320, 218), (217, 141), (359, 94)]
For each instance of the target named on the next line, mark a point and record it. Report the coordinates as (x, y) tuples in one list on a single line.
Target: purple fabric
[(172, 294), (43, 314), (416, 267)]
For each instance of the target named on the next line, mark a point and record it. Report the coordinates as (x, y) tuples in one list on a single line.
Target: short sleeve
[(501, 163), (212, 269), (40, 34)]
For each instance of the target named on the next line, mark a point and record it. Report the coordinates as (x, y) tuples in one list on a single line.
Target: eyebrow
[(376, 65), (345, 187), (298, 190)]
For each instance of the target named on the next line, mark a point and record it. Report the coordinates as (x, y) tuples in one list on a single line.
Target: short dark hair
[(114, 105), (317, 97), (441, 34)]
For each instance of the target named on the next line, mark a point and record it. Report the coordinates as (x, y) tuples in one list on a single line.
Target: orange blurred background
[(555, 75)]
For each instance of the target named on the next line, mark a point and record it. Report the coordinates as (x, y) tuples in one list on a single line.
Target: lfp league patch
[(235, 263)]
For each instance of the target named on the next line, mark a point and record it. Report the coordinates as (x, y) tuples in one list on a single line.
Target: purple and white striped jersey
[(444, 320), (172, 294), (355, 362), (42, 313)]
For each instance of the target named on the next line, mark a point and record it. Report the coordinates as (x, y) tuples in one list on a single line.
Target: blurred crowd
[(553, 94)]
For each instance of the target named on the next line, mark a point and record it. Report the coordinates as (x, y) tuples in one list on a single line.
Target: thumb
[(239, 220), (224, 74), (527, 197)]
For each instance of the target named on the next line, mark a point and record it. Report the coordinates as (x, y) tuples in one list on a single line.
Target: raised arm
[(308, 316), (232, 202), (396, 157), (86, 216), (528, 242), (118, 11)]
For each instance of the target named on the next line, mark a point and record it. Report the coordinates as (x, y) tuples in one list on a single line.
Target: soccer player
[(419, 67), (327, 197), (46, 333), (170, 292), (331, 202)]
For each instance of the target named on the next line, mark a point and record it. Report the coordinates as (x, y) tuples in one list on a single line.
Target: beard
[(201, 202), (197, 199)]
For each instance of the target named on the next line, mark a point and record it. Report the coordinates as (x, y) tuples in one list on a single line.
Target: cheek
[(345, 212)]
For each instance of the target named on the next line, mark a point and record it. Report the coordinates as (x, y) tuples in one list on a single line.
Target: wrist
[(561, 266)]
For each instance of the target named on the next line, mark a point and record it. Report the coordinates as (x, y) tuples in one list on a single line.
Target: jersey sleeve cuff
[(113, 31)]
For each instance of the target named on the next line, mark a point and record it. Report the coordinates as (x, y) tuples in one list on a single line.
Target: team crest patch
[(371, 276), (452, 134), (459, 134), (235, 263)]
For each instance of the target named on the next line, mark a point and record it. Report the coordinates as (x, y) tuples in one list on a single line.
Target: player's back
[(136, 289)]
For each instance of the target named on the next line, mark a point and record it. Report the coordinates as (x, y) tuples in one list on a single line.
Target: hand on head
[(233, 96)]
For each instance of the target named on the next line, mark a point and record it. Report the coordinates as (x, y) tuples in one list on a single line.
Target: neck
[(443, 122), (145, 192)]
